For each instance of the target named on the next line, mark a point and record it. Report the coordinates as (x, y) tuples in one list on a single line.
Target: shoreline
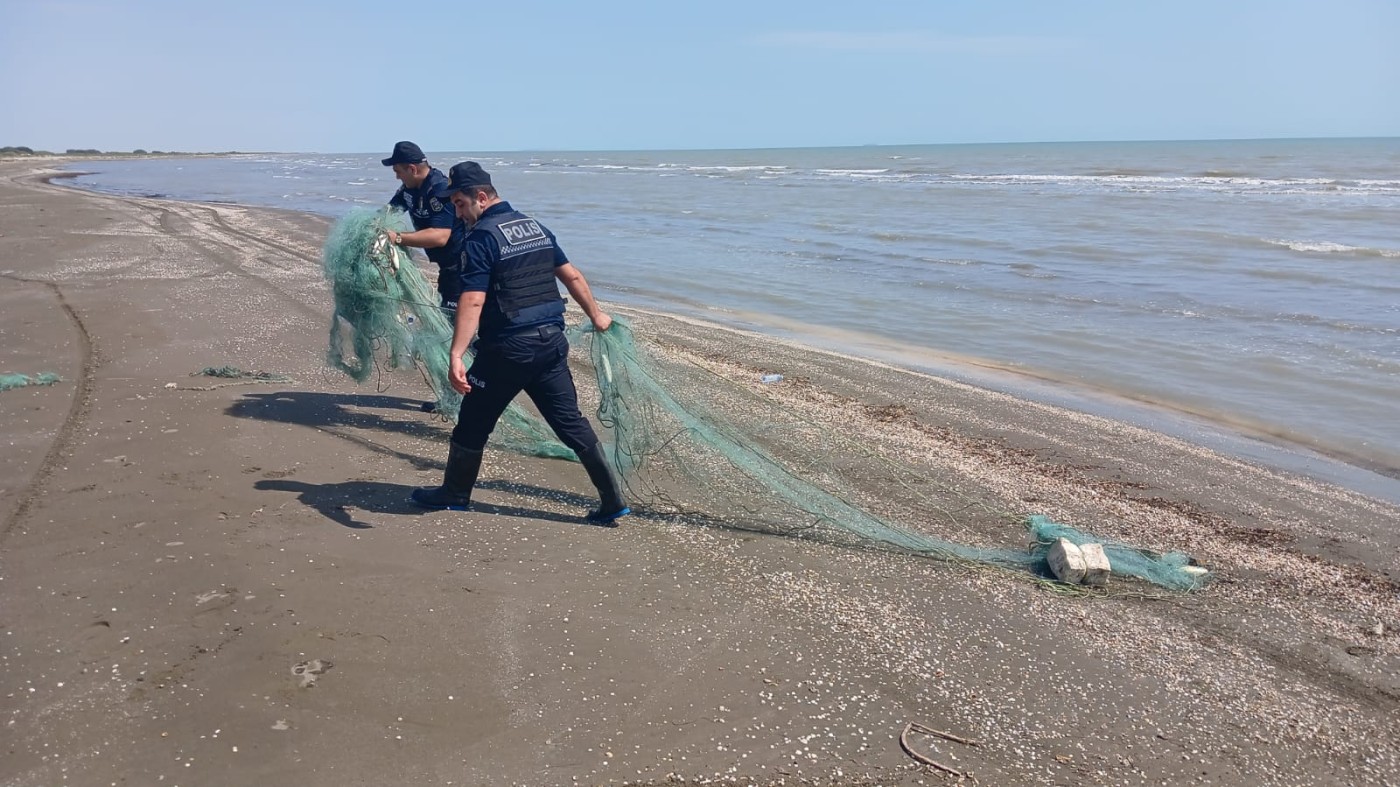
[(208, 579), (1230, 433), (1217, 431)]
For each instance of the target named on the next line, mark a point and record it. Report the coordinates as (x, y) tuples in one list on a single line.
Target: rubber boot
[(612, 507), (455, 494)]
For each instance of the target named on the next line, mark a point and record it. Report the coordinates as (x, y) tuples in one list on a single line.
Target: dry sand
[(215, 583)]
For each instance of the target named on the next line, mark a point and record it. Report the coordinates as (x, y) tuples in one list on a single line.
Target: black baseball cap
[(464, 175), (405, 153)]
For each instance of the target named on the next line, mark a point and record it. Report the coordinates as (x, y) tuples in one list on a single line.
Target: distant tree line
[(10, 151)]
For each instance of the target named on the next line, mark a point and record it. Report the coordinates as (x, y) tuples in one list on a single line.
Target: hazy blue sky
[(624, 74)]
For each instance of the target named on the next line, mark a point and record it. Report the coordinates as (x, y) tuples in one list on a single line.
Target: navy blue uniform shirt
[(429, 208), (481, 251)]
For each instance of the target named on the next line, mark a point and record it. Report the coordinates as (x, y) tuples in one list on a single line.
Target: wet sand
[(208, 582)]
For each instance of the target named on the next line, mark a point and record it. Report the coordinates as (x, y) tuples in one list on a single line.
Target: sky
[(340, 77)]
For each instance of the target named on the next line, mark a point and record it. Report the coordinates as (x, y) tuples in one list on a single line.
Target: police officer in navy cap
[(510, 301), (436, 230)]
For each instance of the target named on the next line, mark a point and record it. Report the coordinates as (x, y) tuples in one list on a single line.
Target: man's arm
[(439, 221), (430, 238), (468, 318), (582, 294)]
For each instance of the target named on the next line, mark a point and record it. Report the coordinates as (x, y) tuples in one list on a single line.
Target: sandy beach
[(208, 581)]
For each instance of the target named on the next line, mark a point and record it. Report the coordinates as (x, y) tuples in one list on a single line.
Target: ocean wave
[(1116, 180), (736, 168), (1328, 247), (1122, 172), (909, 172), (1211, 182)]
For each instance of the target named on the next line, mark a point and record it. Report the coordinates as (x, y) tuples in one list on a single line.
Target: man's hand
[(457, 375), (602, 321)]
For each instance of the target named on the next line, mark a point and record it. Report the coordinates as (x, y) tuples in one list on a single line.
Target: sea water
[(1252, 285)]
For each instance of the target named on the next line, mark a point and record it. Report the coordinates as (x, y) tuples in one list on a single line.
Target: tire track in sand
[(223, 252), (78, 409), (158, 212)]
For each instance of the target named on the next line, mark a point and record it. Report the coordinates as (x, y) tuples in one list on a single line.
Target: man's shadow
[(339, 501), (337, 414)]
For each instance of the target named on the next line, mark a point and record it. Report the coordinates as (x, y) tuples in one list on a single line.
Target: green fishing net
[(690, 446), (730, 446), (235, 373), (387, 313), (10, 381)]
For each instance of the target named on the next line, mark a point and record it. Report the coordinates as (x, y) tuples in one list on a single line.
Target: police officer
[(510, 301), (435, 228)]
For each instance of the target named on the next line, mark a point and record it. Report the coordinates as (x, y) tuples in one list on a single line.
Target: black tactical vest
[(523, 291)]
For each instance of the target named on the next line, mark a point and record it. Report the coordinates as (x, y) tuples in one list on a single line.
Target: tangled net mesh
[(691, 445), (386, 312), (11, 381)]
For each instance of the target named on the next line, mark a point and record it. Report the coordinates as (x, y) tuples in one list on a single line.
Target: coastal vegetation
[(22, 151)]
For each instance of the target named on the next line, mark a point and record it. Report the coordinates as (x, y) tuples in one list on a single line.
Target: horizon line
[(158, 152)]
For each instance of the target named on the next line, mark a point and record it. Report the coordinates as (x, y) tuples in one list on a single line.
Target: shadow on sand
[(339, 501), (336, 414)]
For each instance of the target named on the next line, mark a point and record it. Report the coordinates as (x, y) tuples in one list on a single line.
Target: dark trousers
[(537, 363)]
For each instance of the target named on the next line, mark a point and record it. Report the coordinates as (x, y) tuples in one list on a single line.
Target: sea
[(1241, 294)]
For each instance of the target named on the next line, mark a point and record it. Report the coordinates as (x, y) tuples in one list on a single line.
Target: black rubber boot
[(612, 506), (455, 494)]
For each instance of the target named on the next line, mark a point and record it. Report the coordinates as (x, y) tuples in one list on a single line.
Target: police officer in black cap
[(510, 301), (435, 228)]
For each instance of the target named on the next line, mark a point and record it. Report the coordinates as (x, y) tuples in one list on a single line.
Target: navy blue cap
[(465, 175), (405, 153)]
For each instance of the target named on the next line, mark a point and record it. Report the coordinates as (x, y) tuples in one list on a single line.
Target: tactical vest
[(523, 291)]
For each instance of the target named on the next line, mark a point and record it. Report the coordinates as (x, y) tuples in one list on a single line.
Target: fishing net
[(10, 381), (694, 446), (1170, 570), (751, 462), (235, 373), (387, 316)]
